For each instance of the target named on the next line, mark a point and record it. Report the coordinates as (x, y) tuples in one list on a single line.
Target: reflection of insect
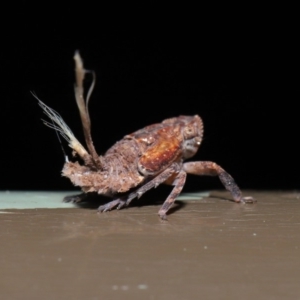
[(140, 161)]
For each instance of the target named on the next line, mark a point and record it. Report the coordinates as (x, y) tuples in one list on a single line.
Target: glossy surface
[(208, 249)]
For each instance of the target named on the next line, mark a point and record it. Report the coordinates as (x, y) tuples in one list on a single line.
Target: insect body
[(140, 161)]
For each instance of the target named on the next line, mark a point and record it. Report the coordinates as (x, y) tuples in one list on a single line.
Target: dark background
[(240, 76)]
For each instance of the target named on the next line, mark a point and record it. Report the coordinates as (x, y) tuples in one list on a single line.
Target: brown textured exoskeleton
[(140, 161)]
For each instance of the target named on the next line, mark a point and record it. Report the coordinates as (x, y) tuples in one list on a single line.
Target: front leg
[(212, 169)]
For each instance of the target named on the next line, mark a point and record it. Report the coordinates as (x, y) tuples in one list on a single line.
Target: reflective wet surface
[(208, 249)]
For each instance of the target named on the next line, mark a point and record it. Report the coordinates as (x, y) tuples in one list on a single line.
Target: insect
[(140, 161)]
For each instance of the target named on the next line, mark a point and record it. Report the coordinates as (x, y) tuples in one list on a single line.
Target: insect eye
[(189, 132)]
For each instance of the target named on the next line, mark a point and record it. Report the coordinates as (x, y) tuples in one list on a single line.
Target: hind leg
[(138, 192), (75, 198)]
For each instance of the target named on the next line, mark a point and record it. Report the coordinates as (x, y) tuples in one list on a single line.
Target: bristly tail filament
[(60, 126), (92, 158)]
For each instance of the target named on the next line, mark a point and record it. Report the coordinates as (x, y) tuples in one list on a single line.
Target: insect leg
[(212, 169), (178, 185), (75, 198), (138, 192), (156, 181), (110, 205)]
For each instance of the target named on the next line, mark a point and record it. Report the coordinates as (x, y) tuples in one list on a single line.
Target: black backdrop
[(239, 79)]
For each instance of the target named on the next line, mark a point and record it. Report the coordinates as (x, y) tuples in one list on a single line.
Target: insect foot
[(140, 161)]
